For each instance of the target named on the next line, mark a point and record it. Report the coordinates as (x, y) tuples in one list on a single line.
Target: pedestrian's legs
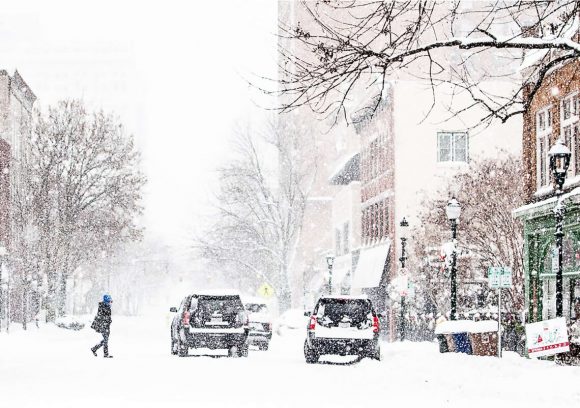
[(105, 343)]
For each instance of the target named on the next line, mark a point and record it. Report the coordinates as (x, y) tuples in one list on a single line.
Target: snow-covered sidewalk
[(52, 367)]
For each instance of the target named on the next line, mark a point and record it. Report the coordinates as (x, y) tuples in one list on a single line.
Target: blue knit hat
[(107, 299)]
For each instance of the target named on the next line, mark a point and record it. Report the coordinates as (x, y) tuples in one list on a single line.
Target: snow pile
[(466, 326)]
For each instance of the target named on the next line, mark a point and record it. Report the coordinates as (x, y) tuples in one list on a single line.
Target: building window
[(569, 111), (452, 147), (346, 236), (543, 133)]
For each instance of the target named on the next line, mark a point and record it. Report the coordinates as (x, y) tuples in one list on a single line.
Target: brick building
[(554, 113)]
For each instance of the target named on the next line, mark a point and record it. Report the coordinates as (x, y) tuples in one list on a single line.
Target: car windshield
[(356, 310), (256, 308)]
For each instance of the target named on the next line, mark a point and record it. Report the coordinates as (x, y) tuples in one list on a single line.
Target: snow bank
[(466, 326)]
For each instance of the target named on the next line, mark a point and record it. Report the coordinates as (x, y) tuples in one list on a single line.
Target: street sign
[(547, 337), (505, 281), (266, 291), (554, 260), (500, 277)]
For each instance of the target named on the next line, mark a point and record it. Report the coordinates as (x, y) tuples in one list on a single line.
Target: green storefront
[(540, 256)]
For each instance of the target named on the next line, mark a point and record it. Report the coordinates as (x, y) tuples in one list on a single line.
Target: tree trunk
[(51, 296)]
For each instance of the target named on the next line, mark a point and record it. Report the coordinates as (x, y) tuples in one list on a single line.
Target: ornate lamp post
[(453, 211), (559, 156), (329, 263), (3, 253), (403, 233)]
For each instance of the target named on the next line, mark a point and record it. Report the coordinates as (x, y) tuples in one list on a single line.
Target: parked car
[(260, 323), (291, 321), (342, 325), (214, 320)]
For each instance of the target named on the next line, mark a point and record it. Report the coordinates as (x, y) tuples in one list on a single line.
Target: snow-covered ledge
[(545, 206)]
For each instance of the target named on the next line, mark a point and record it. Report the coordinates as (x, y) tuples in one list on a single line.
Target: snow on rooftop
[(345, 165), (544, 205)]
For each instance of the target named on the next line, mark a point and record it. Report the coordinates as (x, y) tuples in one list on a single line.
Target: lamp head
[(453, 210), (329, 260), (560, 157)]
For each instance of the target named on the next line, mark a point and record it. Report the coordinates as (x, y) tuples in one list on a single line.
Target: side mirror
[(173, 310), (307, 313)]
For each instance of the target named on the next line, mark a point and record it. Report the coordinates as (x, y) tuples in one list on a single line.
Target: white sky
[(173, 70)]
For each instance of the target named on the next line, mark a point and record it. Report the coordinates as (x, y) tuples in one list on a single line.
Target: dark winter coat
[(102, 322)]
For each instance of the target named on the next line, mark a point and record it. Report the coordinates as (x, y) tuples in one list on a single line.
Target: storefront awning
[(369, 269)]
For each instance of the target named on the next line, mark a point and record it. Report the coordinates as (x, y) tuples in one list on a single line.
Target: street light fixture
[(3, 253), (403, 233), (453, 211), (559, 156), (330, 263)]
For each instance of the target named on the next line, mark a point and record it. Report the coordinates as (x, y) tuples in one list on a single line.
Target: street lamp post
[(403, 232), (559, 156), (3, 253), (453, 211), (330, 263)]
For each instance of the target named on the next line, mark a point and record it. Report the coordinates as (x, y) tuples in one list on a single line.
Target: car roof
[(217, 292), (345, 297)]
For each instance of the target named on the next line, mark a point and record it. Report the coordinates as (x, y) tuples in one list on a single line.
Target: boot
[(94, 351), (108, 356)]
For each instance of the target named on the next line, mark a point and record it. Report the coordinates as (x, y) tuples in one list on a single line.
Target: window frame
[(572, 123), (453, 137), (543, 137)]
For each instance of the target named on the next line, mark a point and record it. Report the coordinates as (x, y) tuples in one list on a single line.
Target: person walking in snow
[(102, 324)]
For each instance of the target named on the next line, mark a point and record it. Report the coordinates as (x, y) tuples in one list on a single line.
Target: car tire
[(182, 349), (173, 346), (243, 351), (310, 355), (264, 346), (376, 354), (233, 351)]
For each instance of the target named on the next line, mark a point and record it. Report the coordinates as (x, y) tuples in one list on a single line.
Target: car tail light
[(269, 326), (375, 324), (185, 318), (312, 324)]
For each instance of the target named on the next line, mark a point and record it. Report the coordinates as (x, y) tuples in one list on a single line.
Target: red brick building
[(554, 112)]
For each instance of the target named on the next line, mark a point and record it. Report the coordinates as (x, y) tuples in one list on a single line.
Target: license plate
[(344, 325)]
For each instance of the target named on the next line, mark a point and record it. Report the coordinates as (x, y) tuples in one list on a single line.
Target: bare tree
[(488, 235), (344, 50), (80, 195), (260, 207)]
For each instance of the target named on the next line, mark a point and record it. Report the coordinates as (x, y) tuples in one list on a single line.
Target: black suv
[(212, 320), (343, 325)]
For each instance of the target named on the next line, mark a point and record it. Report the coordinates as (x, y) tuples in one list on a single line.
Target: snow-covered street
[(51, 367)]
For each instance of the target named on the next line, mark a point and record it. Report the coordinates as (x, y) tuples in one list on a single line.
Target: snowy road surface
[(51, 367)]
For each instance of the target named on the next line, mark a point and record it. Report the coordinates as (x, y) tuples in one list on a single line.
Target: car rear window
[(335, 309), (256, 308), (226, 305)]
